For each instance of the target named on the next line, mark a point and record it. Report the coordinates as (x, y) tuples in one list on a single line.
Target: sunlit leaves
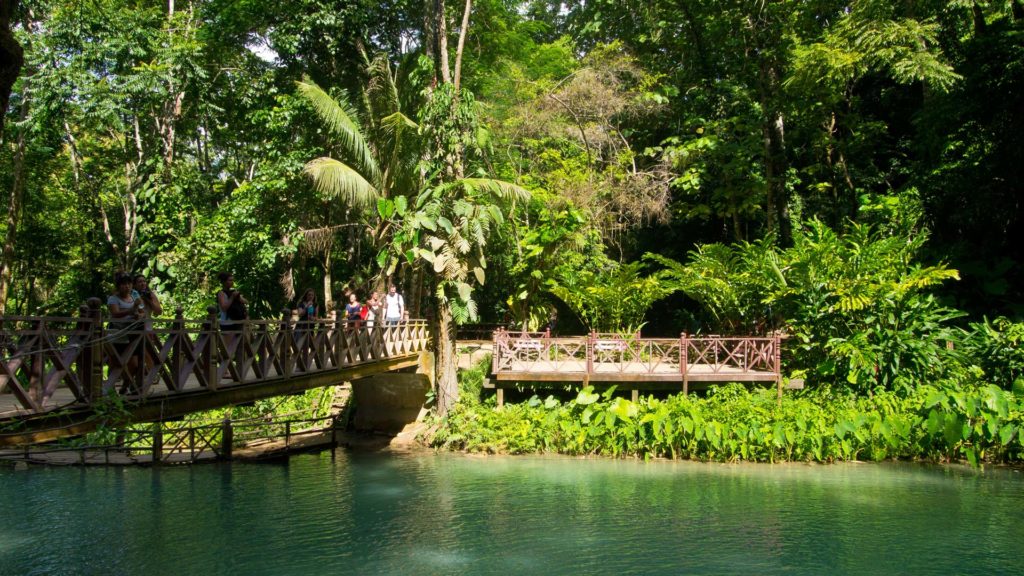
[(338, 180), (340, 119)]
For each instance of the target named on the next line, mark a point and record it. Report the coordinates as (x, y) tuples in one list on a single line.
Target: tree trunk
[(328, 297), (287, 278), (773, 132), (436, 32), (463, 32), (13, 212), (12, 56), (445, 374)]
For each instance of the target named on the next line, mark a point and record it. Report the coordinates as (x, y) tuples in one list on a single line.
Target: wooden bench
[(609, 345), (530, 344)]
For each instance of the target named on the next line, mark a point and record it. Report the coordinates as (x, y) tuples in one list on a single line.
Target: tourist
[(373, 309), (150, 302), (231, 303), (125, 317), (394, 306), (307, 307), (150, 307), (353, 311)]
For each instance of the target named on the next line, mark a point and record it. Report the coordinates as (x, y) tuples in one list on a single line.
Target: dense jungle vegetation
[(848, 172)]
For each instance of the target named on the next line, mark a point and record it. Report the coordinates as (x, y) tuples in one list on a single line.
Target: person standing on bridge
[(150, 307), (394, 306), (125, 318), (231, 303), (374, 311), (353, 311), (308, 308), (150, 303)]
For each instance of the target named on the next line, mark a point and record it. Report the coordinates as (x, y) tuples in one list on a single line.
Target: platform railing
[(613, 353), (94, 358)]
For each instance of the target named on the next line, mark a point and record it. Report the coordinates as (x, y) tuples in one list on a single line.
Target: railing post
[(778, 362), (340, 355), (95, 351), (590, 352), (83, 362), (158, 444), (496, 349), (211, 354), (244, 337), (684, 361), (36, 371), (287, 432), (177, 352), (287, 339), (227, 439)]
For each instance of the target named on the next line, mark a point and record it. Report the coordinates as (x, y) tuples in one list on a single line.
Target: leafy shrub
[(856, 306), (981, 424), (998, 348)]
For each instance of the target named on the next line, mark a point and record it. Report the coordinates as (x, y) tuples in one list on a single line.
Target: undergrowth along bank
[(981, 424)]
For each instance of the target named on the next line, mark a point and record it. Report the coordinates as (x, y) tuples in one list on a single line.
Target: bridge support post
[(389, 402), (158, 444), (227, 439)]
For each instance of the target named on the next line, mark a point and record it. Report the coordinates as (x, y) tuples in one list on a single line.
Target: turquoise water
[(452, 514)]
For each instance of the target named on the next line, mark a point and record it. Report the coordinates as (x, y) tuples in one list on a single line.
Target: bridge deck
[(57, 371)]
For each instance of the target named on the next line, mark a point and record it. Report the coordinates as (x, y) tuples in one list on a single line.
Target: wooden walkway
[(634, 362), (56, 374), (158, 444)]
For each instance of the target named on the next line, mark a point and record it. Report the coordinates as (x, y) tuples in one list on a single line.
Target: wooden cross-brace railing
[(630, 358), (94, 359)]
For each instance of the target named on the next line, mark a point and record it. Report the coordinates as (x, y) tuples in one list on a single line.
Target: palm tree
[(440, 220), (376, 161)]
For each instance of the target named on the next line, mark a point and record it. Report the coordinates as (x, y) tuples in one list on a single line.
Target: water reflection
[(452, 514)]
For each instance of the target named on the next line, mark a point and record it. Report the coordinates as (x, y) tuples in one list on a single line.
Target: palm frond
[(381, 89), (342, 123), (317, 240), (338, 180), (396, 123), (505, 191)]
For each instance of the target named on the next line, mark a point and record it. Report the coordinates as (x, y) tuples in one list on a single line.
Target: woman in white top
[(125, 315)]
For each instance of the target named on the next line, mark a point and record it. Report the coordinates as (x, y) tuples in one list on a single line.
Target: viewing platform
[(633, 362)]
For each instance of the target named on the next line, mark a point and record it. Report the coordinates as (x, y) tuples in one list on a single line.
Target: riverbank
[(976, 425)]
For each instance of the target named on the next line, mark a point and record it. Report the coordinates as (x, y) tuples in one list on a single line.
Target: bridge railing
[(93, 358), (629, 354)]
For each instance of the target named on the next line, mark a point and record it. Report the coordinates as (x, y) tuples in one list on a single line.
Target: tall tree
[(12, 56)]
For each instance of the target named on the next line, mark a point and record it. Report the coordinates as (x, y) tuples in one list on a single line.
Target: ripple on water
[(449, 514)]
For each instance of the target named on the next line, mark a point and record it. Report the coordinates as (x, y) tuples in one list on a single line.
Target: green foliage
[(732, 423), (448, 222), (856, 306), (614, 298), (997, 346), (471, 381)]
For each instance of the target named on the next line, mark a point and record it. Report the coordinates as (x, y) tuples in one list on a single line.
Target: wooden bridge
[(633, 362), (60, 376)]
